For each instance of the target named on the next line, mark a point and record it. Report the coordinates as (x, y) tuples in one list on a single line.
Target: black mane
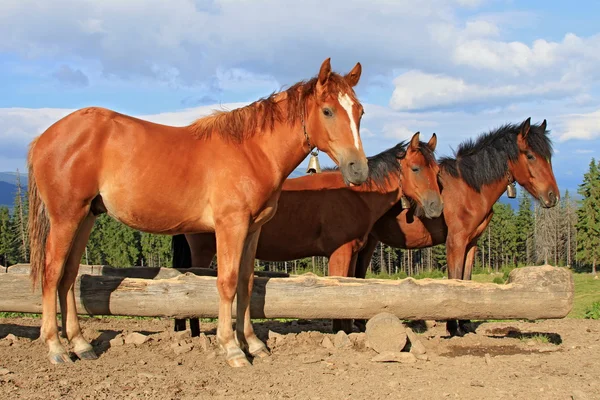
[(485, 160), (388, 162)]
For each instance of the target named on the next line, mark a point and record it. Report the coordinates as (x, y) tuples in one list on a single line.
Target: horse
[(472, 181), (318, 215), (226, 168)]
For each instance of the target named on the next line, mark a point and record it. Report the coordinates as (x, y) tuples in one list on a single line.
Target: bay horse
[(472, 182), (318, 215), (226, 168)]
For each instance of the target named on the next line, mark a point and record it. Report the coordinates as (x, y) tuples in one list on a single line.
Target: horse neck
[(492, 192), (383, 197), (283, 148)]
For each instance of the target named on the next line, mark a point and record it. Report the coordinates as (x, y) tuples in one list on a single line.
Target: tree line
[(565, 235)]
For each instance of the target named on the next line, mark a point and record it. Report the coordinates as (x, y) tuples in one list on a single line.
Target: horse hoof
[(87, 355), (60, 358), (239, 362), (261, 353)]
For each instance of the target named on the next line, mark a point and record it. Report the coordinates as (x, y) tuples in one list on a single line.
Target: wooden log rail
[(531, 293)]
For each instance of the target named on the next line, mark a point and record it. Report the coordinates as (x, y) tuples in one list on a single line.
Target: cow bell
[(511, 190), (405, 203), (313, 164)]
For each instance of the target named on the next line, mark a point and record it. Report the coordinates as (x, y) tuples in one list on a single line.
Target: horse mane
[(388, 162), (485, 160), (244, 122)]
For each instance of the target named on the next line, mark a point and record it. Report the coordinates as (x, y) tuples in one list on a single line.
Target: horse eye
[(415, 169), (530, 156), (327, 112)]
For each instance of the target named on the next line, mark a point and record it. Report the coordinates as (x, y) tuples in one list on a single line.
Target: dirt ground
[(555, 359)]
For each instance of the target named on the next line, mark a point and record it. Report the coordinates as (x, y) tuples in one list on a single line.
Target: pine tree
[(524, 225), (156, 250), (20, 221), (7, 238), (568, 227), (588, 218)]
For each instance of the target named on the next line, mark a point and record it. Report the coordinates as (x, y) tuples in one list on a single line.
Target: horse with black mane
[(472, 181)]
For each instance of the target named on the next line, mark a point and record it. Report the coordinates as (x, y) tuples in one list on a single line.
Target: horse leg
[(202, 248), (61, 235), (243, 323), (455, 252), (465, 324), (66, 293), (231, 236), (339, 265), (363, 260)]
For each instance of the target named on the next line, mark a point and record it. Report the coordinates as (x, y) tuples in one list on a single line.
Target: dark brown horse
[(471, 183), (319, 216), (227, 170)]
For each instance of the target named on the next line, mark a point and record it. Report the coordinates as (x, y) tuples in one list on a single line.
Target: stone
[(395, 356), (4, 371), (430, 324), (181, 335), (204, 342), (11, 338), (386, 333), (416, 347), (358, 339), (488, 359), (422, 357), (181, 348), (341, 340), (326, 342), (136, 338), (117, 341)]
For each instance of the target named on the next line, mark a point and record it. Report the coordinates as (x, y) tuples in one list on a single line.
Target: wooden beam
[(532, 293), (144, 272)]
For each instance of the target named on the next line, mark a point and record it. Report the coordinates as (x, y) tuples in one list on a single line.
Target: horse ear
[(543, 126), (432, 142), (525, 127), (414, 142), (324, 72), (354, 76)]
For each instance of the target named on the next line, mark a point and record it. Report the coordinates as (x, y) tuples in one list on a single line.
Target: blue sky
[(454, 67)]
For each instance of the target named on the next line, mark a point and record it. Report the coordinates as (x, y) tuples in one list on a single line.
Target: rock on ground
[(386, 332)]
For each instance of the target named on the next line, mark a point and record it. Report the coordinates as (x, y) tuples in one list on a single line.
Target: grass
[(587, 292), (539, 338)]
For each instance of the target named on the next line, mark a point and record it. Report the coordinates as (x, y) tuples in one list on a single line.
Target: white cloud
[(581, 126), (416, 90), (583, 151)]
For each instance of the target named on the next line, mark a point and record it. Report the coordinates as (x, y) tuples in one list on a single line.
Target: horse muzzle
[(549, 199), (355, 171), (433, 206)]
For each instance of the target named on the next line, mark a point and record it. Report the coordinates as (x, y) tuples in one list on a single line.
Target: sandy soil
[(502, 360)]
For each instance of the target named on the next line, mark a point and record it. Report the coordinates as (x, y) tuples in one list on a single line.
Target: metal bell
[(405, 203), (511, 190), (313, 164)]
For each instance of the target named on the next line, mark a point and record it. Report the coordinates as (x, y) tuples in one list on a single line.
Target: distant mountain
[(11, 177), (7, 194)]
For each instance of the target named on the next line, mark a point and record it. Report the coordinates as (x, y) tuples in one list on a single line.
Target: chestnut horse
[(318, 215), (227, 170), (471, 183)]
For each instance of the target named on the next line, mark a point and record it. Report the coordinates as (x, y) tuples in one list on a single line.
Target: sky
[(454, 67)]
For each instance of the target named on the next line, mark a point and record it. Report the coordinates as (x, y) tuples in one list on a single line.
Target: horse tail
[(180, 250), (38, 225)]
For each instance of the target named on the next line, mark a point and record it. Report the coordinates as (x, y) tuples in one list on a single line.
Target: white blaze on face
[(347, 103)]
